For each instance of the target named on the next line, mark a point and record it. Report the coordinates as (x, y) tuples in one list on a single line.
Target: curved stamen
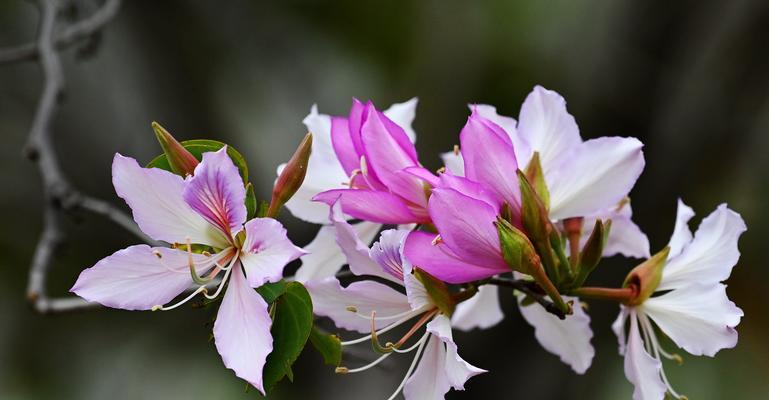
[(385, 329), (345, 370), (354, 310), (414, 346), (649, 333), (224, 279), (186, 299), (411, 367)]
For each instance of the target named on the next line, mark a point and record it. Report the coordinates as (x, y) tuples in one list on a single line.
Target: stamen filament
[(428, 316), (354, 310), (186, 299), (345, 370), (385, 329), (411, 367), (224, 279), (646, 325), (414, 346)]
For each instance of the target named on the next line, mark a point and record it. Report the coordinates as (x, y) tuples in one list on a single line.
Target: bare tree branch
[(68, 36)]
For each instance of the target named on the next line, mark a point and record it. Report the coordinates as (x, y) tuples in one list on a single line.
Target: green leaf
[(251, 203), (271, 291), (329, 346), (261, 208), (199, 146), (291, 328)]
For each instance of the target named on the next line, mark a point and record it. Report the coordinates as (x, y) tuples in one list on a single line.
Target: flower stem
[(525, 287), (622, 295)]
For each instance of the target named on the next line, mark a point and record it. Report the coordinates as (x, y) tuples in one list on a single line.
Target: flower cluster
[(524, 206)]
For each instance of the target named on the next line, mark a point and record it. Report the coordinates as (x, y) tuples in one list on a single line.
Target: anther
[(441, 170), (157, 253), (341, 370), (456, 149), (352, 309), (437, 240)]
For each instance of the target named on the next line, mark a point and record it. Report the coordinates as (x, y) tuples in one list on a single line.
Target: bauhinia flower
[(373, 151), (204, 209), (376, 308), (680, 291)]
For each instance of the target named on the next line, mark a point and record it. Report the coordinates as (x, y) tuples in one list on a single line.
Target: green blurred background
[(690, 79)]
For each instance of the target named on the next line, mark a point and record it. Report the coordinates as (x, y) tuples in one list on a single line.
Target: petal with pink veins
[(217, 193), (155, 197), (595, 177), (266, 251), (242, 330), (136, 279)]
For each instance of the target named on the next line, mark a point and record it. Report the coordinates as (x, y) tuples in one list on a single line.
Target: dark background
[(690, 79)]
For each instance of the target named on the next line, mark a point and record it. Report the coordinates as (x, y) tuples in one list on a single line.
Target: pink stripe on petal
[(217, 193)]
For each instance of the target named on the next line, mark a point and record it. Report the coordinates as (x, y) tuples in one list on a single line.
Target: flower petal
[(242, 330), (698, 318), (490, 159), (595, 177), (458, 371), (331, 300), (403, 114), (136, 279), (475, 190), (682, 235), (625, 237), (467, 227), (324, 258), (369, 205), (618, 326), (217, 193), (547, 127), (429, 381), (454, 163), (711, 255), (569, 339), (439, 261), (482, 311), (266, 251), (155, 197), (641, 369)]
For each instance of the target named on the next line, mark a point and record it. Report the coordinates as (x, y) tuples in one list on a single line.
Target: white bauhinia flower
[(368, 306), (325, 172), (688, 303)]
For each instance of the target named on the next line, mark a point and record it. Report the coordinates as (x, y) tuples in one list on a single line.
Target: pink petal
[(155, 197), (547, 127), (217, 193), (242, 330), (423, 174), (266, 251), (469, 188), (595, 177), (343, 146), (403, 115), (374, 206), (490, 159), (467, 227), (136, 279), (331, 300), (439, 261)]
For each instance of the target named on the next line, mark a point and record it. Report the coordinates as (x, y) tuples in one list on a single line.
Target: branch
[(525, 286), (69, 35)]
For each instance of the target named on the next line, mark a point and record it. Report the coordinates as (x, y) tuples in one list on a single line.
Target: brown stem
[(622, 295)]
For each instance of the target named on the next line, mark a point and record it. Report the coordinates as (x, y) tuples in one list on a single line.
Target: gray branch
[(60, 197)]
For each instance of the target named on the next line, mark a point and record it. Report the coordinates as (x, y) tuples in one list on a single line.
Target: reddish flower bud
[(291, 177), (181, 161)]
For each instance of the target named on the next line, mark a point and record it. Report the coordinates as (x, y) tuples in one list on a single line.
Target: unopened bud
[(536, 177), (647, 276), (291, 177), (181, 161), (534, 214), (591, 253)]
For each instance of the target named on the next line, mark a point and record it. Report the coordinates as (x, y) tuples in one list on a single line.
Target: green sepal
[(291, 327), (199, 146), (438, 292), (517, 250), (536, 177), (647, 276), (591, 253), (329, 346)]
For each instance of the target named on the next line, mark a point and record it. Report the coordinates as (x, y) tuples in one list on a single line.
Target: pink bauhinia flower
[(373, 151), (682, 294), (371, 307), (204, 209)]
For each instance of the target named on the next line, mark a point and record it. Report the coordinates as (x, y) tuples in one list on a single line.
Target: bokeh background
[(690, 79)]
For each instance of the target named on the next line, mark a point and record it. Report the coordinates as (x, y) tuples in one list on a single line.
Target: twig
[(68, 36), (59, 195), (525, 287)]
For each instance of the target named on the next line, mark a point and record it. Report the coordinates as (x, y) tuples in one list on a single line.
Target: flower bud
[(592, 252), (181, 161), (536, 176), (291, 177), (647, 276), (534, 215)]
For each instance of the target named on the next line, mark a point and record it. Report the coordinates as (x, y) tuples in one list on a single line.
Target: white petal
[(569, 339), (698, 318), (625, 237), (711, 255), (682, 235), (403, 114), (266, 251), (155, 197), (332, 300), (429, 381), (354, 249), (595, 177), (547, 127), (136, 279), (324, 258), (458, 371), (481, 311), (324, 172), (242, 330), (618, 326), (454, 163), (641, 369)]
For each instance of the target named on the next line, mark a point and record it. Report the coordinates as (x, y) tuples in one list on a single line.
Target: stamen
[(441, 170), (456, 149), (345, 370), (354, 310), (437, 240), (201, 289), (414, 346), (426, 317), (646, 325), (411, 367), (224, 279), (385, 329)]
